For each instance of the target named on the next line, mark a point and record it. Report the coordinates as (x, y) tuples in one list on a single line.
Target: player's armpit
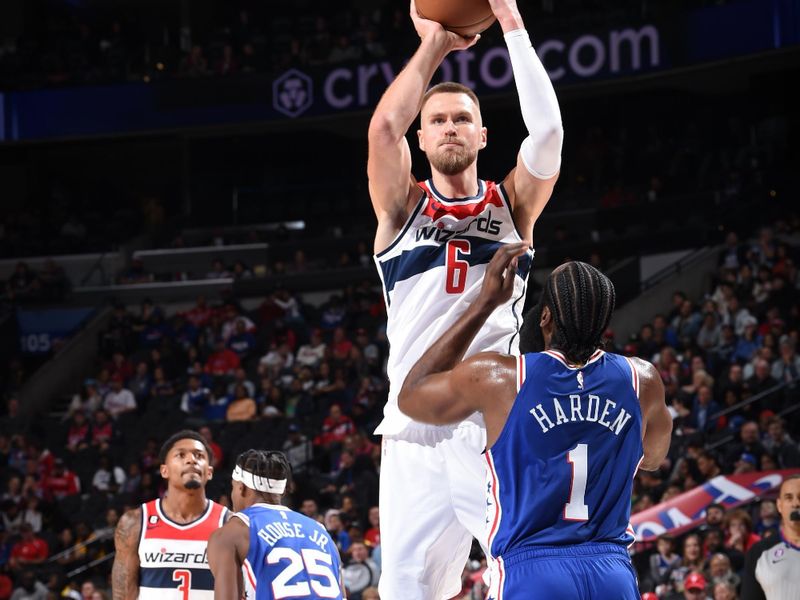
[(226, 552), (125, 572), (656, 420)]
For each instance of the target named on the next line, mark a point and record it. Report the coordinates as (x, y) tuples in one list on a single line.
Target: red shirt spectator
[(200, 314), (29, 550), (335, 427), (78, 431), (223, 361), (372, 537), (120, 366), (61, 482), (102, 430), (341, 346)]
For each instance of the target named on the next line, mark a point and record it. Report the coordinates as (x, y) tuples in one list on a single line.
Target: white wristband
[(541, 150)]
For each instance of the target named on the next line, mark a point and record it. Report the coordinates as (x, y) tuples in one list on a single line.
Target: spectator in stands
[(119, 400), (62, 482), (725, 591), (298, 450), (216, 450), (108, 478), (140, 383), (78, 433), (200, 313), (30, 588), (780, 444), (242, 406), (29, 551), (708, 335), (360, 571), (372, 536), (196, 398), (102, 433), (691, 560), (222, 361), (310, 509), (242, 342), (32, 515), (335, 527), (768, 523), (664, 560), (218, 270), (227, 63), (719, 570), (739, 531), (749, 443), (703, 409), (162, 388), (786, 367), (707, 465), (747, 463), (312, 353)]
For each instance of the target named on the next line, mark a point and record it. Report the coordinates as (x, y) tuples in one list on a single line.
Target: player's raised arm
[(391, 185), (441, 389), (227, 548), (125, 572), (656, 420), (530, 183)]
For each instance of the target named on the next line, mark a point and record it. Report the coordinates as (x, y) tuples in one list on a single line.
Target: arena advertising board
[(328, 90), (40, 331), (687, 511)]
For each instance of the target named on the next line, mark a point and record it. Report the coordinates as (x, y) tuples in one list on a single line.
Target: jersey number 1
[(455, 267), (575, 509)]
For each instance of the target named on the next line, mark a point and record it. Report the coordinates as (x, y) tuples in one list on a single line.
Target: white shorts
[(432, 503)]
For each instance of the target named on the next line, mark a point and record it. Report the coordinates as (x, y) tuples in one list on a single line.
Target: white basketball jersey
[(434, 269)]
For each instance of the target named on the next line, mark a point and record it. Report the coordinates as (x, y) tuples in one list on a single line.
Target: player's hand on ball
[(498, 282), (426, 28)]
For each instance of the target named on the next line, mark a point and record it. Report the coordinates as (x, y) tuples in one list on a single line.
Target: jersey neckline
[(442, 198), (559, 356), (175, 524)]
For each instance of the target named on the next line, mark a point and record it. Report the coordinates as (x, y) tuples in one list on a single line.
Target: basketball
[(464, 17)]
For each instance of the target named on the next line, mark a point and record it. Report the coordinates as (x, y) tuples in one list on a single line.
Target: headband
[(260, 484)]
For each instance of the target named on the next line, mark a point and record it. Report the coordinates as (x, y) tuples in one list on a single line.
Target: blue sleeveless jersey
[(290, 556), (561, 471)]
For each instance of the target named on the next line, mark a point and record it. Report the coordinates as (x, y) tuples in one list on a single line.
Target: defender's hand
[(498, 282)]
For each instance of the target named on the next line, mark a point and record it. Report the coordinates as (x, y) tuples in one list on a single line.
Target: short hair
[(581, 301), (716, 505), (788, 479), (184, 434), (267, 464), (449, 87)]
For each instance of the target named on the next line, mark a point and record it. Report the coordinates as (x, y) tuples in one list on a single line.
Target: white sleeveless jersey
[(173, 558), (431, 273)]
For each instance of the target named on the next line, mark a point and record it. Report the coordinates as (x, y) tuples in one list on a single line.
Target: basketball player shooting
[(433, 242), (161, 546), (567, 428)]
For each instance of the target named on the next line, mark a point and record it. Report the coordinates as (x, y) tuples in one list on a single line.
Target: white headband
[(260, 484)]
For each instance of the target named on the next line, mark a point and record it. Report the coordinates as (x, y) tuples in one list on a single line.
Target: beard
[(452, 161), (193, 484)]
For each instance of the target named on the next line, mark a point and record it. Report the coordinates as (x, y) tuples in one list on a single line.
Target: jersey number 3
[(313, 562), (455, 267), (575, 509), (184, 579)]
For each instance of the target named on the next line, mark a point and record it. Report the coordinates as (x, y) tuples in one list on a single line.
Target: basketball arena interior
[(185, 215)]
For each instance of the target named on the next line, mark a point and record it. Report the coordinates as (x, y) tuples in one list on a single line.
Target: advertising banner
[(40, 330)]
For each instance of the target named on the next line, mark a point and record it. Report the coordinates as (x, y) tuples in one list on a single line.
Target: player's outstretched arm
[(391, 185), (656, 420), (227, 549), (440, 389), (125, 572), (530, 184)]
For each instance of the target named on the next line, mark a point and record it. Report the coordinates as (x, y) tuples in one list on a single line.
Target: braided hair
[(581, 300), (267, 464)]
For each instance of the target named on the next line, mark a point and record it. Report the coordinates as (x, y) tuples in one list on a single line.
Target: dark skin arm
[(227, 548), (125, 572), (656, 420), (440, 388)]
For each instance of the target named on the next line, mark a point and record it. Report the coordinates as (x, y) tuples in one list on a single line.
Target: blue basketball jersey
[(561, 471), (290, 556)]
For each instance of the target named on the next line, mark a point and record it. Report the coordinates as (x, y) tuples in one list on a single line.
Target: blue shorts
[(584, 572)]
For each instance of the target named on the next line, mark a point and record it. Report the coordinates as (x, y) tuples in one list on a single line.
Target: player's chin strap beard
[(260, 484), (193, 484)]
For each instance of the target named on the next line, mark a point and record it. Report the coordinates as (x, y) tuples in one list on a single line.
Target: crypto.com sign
[(620, 51)]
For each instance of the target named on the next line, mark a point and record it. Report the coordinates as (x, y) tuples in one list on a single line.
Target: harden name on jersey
[(581, 408)]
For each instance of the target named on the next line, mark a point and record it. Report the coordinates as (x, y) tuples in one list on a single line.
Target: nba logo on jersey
[(580, 380)]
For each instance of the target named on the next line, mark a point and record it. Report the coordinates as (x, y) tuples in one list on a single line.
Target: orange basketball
[(464, 17)]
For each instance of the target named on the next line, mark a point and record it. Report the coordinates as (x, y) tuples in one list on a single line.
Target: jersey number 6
[(455, 267)]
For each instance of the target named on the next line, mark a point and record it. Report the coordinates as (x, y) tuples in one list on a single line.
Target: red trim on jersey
[(436, 208), (248, 570), (500, 578), (563, 359), (520, 372), (634, 376), (165, 529), (495, 485)]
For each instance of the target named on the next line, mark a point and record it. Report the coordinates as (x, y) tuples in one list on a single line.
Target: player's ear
[(210, 472), (546, 317), (164, 471), (419, 139), (484, 137)]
